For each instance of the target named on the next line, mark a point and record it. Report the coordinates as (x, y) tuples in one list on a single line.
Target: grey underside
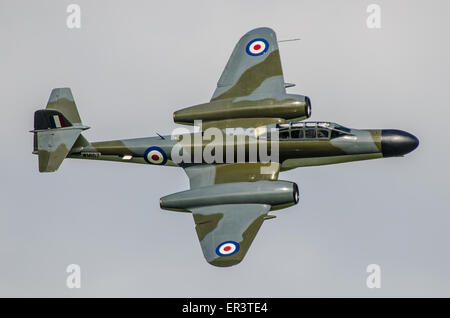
[(235, 221), (240, 61)]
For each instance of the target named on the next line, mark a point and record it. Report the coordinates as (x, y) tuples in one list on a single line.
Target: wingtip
[(225, 261), (259, 31)]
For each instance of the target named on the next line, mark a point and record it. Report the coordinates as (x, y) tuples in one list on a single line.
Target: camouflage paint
[(206, 223), (247, 239), (250, 93)]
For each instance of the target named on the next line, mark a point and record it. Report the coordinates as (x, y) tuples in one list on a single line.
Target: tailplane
[(56, 129)]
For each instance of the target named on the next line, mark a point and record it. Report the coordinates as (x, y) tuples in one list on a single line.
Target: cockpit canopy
[(308, 130)]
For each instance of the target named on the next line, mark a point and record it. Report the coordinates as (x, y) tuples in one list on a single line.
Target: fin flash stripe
[(57, 121)]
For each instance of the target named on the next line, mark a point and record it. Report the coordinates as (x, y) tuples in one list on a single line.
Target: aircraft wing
[(251, 91), (208, 175), (253, 70), (226, 231)]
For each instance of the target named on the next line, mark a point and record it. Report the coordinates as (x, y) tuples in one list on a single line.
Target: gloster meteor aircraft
[(229, 199)]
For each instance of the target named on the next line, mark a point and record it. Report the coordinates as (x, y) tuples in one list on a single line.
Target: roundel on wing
[(227, 248), (155, 155), (257, 47)]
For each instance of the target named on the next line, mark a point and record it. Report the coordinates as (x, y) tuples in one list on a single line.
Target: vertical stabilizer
[(56, 129)]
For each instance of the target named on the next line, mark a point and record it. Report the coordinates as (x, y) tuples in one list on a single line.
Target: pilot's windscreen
[(336, 134), (342, 128)]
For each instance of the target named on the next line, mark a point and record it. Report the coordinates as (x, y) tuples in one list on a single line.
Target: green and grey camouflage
[(250, 131)]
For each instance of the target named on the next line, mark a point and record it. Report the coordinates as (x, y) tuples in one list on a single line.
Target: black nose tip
[(397, 142)]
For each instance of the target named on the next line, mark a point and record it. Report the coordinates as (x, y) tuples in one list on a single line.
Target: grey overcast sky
[(133, 63)]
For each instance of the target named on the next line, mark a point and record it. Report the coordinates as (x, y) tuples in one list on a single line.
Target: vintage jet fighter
[(230, 196)]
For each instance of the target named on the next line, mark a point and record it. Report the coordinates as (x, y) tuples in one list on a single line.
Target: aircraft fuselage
[(299, 144)]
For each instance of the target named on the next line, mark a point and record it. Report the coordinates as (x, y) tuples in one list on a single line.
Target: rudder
[(56, 129), (61, 99)]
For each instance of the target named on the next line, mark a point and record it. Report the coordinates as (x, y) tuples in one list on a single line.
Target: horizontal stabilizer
[(56, 129), (53, 145)]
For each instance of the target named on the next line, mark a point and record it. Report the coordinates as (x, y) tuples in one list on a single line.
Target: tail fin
[(61, 100), (56, 129)]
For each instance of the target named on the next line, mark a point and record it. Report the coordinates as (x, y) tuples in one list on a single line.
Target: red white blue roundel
[(155, 156), (257, 47), (227, 248)]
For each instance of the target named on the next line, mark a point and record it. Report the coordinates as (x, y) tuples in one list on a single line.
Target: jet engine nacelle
[(273, 193), (288, 107)]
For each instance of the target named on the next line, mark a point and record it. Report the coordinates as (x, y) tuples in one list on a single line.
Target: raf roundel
[(257, 47), (227, 248), (155, 156)]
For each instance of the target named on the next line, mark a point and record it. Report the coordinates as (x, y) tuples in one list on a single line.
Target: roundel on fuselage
[(155, 156)]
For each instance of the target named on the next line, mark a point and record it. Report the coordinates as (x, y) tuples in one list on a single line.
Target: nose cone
[(397, 142)]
